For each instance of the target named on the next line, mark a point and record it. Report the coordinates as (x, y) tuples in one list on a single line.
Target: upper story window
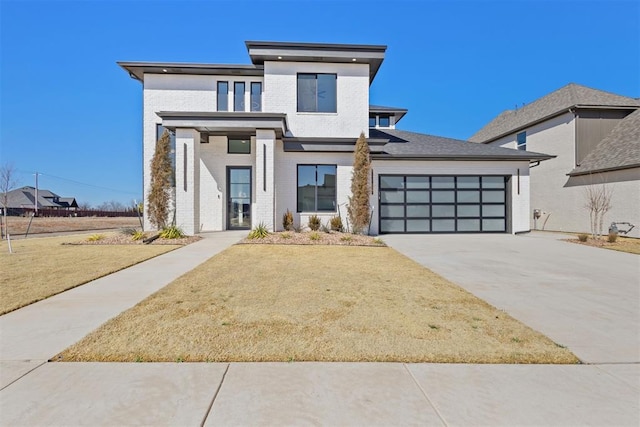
[(317, 93), (256, 96), (521, 141), (238, 96), (223, 96), (378, 120)]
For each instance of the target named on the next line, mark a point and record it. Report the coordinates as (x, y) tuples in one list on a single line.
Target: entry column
[(265, 182), (188, 180)]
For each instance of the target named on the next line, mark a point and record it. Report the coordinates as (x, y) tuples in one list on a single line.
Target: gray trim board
[(137, 70), (209, 122)]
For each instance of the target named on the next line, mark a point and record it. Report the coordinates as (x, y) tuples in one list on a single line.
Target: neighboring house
[(253, 141), (23, 199), (595, 137)]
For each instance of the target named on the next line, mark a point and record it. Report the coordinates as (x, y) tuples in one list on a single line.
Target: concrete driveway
[(585, 298)]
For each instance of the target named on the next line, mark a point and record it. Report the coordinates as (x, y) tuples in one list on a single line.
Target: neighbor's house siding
[(352, 91), (560, 198), (182, 93), (517, 216)]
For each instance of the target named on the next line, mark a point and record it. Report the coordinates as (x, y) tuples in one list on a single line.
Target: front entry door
[(238, 198)]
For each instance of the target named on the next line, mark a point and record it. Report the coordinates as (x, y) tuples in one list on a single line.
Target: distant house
[(595, 136), (22, 200)]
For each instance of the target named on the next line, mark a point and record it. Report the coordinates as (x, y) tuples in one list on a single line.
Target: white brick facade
[(202, 157)]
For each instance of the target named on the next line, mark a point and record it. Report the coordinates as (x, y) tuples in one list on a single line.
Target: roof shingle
[(571, 95)]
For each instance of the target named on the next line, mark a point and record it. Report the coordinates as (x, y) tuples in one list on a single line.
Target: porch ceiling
[(220, 122)]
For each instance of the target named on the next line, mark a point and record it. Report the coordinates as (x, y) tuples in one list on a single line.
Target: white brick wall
[(188, 180), (264, 179), (562, 198), (352, 117)]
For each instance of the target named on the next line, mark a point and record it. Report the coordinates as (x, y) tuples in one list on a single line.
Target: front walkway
[(193, 394)]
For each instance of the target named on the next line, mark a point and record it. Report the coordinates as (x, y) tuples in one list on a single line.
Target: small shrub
[(128, 231), (336, 223), (314, 223), (259, 232), (314, 236), (287, 220), (285, 235), (95, 237), (172, 232), (346, 238), (612, 237), (138, 235), (378, 241), (583, 237)]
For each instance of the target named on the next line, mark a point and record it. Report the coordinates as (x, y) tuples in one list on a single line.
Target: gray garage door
[(442, 204)]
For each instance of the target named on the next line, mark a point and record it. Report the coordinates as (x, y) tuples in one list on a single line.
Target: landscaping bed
[(314, 303), (315, 238), (622, 244)]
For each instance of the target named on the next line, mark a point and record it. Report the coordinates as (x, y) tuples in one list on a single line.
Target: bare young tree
[(160, 189), (358, 209), (598, 203), (7, 183)]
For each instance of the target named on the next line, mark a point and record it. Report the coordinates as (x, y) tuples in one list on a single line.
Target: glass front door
[(238, 198)]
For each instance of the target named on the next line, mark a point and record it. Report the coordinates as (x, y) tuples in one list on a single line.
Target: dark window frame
[(252, 99), (219, 99), (238, 102), (521, 143), (316, 110), (455, 203), (335, 196), (238, 138)]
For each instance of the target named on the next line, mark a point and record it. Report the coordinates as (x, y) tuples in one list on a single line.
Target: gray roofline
[(611, 169), (137, 69), (570, 109), (398, 113), (463, 157), (373, 55), (224, 121)]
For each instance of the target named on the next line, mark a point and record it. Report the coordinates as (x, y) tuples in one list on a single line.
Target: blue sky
[(69, 112)]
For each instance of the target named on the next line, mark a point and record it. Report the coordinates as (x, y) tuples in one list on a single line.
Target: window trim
[(251, 96), (218, 83), (521, 145), (316, 111), (238, 138), (316, 210), (236, 98)]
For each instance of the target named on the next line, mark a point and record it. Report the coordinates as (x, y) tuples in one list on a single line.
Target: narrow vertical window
[(223, 96), (264, 167), (184, 167), (238, 96), (256, 96), (521, 141)]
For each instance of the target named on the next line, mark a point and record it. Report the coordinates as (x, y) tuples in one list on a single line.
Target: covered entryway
[(443, 204)]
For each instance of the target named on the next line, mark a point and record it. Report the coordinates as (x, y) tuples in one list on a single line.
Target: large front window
[(317, 188), (317, 93)]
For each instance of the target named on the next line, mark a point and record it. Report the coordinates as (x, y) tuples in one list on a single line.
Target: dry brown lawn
[(18, 225), (42, 267), (623, 244), (315, 303)]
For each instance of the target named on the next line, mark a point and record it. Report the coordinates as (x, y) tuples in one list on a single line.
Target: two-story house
[(252, 141), (595, 138)]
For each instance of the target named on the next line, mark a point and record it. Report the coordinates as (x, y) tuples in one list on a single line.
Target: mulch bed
[(315, 238), (124, 239)]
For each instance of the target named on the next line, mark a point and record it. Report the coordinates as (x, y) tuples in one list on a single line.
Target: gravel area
[(124, 239), (315, 238)]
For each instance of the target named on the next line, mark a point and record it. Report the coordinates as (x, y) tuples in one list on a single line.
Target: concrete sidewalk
[(35, 392), (35, 333)]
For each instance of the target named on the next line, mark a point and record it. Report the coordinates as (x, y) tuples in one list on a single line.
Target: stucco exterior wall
[(519, 193), (561, 198), (352, 91)]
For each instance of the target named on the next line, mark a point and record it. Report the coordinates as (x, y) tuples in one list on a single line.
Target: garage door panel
[(442, 204)]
